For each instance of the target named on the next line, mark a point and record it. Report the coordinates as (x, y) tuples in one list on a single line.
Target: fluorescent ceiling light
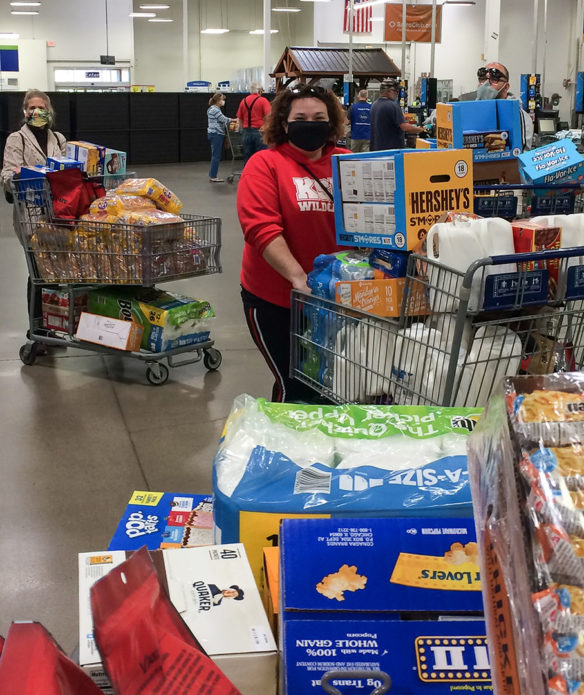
[(25, 4), (9, 36), (142, 14), (214, 31), (19, 12), (286, 9), (154, 7), (260, 32), (161, 19)]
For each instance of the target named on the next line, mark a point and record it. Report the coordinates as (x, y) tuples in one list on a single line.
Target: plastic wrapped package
[(526, 460), (392, 460), (151, 188), (114, 204)]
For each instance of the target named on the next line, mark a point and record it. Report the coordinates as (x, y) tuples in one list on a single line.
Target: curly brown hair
[(275, 133)]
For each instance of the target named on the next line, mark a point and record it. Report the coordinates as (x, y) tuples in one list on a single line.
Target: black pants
[(269, 326)]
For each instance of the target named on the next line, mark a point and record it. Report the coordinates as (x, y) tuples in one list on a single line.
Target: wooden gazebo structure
[(308, 65)]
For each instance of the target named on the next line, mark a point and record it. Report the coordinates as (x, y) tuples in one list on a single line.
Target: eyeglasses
[(494, 75), (307, 90), (482, 73)]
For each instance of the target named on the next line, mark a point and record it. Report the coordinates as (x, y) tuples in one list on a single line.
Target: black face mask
[(309, 135)]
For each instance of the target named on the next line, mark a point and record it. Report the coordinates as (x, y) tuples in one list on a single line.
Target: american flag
[(362, 23)]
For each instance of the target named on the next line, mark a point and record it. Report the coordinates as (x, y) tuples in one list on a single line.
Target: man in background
[(250, 115), (388, 125), (359, 118)]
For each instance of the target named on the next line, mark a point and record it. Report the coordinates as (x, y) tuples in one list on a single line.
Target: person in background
[(250, 115), (481, 79), (359, 118), (496, 86), (30, 146), (217, 122), (286, 212), (388, 124)]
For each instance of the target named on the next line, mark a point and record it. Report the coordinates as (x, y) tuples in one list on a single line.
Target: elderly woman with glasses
[(285, 208)]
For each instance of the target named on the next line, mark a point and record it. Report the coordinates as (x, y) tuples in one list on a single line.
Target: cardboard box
[(271, 586), (552, 164), (391, 199), (500, 171), (56, 309), (169, 320), (492, 128), (233, 630), (164, 520), (530, 236), (380, 297), (426, 143), (61, 163), (114, 333), (114, 163), (91, 156), (398, 595)]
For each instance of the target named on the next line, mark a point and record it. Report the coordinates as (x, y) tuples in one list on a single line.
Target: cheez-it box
[(400, 596), (531, 236)]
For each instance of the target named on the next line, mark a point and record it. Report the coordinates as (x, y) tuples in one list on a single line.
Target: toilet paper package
[(277, 460)]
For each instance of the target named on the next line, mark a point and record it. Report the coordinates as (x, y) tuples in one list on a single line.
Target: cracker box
[(169, 320), (530, 236), (214, 591), (380, 297), (553, 164), (391, 199), (491, 129), (61, 163), (91, 156), (56, 307), (114, 333), (397, 596), (164, 520)]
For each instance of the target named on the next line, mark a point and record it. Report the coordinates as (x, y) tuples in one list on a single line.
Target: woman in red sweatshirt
[(285, 209)]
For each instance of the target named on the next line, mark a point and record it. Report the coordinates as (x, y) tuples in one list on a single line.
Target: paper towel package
[(553, 164), (400, 596), (390, 199), (214, 591), (491, 129), (278, 460)]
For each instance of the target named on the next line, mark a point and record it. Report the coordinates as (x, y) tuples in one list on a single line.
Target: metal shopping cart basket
[(235, 142), (77, 256), (457, 335)]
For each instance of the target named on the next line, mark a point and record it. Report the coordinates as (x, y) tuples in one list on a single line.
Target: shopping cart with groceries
[(235, 147), (69, 258), (459, 330)]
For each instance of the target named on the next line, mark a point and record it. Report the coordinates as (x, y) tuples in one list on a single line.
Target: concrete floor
[(79, 432)]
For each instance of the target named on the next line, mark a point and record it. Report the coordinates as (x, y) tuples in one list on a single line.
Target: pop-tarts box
[(398, 596), (552, 164), (61, 163), (491, 129), (390, 199), (164, 520)]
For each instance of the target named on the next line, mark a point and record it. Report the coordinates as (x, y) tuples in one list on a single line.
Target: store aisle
[(80, 432)]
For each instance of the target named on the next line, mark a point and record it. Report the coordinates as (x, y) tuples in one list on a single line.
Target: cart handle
[(338, 675), (528, 186), (535, 256)]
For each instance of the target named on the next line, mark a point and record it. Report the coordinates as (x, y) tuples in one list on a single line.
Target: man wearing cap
[(496, 86), (388, 124)]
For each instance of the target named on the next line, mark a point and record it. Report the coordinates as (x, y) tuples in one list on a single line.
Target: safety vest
[(361, 120)]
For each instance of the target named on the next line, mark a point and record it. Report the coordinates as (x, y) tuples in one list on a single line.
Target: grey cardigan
[(22, 149)]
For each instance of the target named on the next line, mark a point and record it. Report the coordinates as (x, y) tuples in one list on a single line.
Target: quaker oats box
[(394, 596)]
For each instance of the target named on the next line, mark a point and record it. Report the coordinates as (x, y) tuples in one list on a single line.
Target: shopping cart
[(77, 256), (452, 348), (234, 140), (512, 201)]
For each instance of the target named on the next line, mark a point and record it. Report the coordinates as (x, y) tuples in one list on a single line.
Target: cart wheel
[(230, 178), (157, 374), (28, 353), (212, 359)]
